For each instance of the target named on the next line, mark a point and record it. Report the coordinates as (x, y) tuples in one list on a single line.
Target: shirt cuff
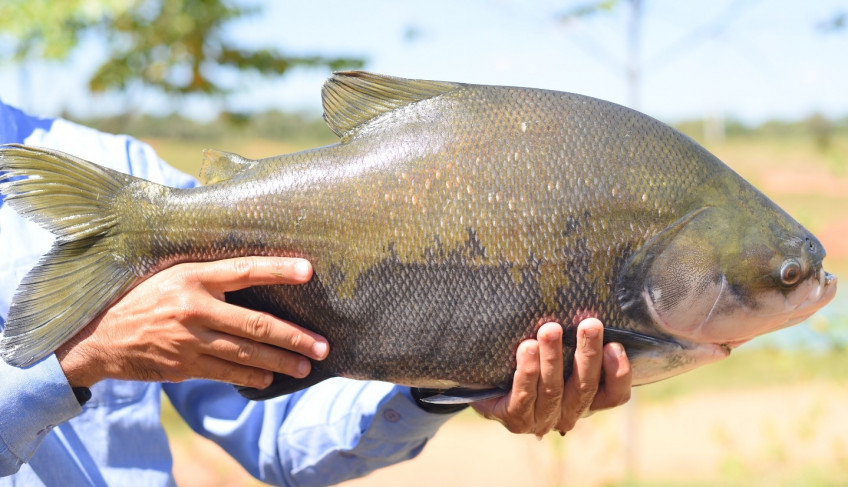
[(34, 400)]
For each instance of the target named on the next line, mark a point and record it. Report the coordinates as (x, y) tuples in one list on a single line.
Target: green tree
[(175, 46), (41, 29)]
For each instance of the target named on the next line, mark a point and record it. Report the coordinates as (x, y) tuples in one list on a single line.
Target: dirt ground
[(758, 437), (699, 437)]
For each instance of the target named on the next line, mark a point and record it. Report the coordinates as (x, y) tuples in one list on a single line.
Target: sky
[(752, 60)]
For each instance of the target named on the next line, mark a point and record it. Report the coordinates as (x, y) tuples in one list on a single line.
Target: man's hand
[(541, 401), (176, 326)]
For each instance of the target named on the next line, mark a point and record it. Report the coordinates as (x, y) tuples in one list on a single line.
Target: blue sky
[(748, 59)]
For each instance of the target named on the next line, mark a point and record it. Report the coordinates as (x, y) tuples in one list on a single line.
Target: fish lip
[(827, 287), (829, 278), (734, 344)]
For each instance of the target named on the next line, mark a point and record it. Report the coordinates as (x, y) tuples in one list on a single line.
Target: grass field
[(763, 417)]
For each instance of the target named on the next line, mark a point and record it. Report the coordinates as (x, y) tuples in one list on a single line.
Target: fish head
[(726, 274), (775, 280)]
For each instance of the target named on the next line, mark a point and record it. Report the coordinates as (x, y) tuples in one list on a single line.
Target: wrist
[(80, 371)]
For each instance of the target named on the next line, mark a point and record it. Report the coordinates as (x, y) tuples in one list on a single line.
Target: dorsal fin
[(220, 166), (352, 98)]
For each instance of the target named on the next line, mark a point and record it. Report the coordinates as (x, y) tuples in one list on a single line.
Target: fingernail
[(302, 367), (319, 350), (550, 337), (267, 380), (615, 350), (301, 268), (590, 334)]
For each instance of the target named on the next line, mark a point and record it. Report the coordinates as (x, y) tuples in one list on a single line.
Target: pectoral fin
[(282, 385)]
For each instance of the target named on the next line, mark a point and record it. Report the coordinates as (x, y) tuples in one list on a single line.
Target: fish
[(445, 226)]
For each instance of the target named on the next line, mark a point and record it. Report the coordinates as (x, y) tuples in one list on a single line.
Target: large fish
[(449, 222)]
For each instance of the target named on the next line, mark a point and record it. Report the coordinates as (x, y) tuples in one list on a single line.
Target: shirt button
[(391, 415)]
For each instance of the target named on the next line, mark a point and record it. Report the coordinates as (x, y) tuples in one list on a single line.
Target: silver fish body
[(448, 224)]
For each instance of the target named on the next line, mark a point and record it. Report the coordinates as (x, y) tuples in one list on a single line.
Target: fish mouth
[(818, 297), (730, 323), (822, 292)]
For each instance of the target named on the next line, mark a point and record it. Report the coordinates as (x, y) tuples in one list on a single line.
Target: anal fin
[(459, 395)]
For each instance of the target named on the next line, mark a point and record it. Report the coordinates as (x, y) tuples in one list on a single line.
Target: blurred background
[(762, 84)]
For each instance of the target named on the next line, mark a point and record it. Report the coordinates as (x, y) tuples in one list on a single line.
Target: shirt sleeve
[(34, 400), (331, 432)]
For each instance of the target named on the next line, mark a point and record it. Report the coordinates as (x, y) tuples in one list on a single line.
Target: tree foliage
[(45, 29), (176, 46)]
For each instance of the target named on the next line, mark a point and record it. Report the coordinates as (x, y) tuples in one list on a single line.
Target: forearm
[(33, 401)]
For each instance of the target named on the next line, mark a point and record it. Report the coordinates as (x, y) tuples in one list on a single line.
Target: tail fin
[(80, 276)]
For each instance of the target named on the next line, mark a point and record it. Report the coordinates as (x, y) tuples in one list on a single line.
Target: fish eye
[(790, 273)]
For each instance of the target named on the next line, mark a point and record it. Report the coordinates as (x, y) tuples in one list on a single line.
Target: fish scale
[(449, 223)]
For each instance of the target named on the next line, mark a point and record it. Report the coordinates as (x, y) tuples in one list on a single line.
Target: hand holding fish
[(176, 326), (540, 401)]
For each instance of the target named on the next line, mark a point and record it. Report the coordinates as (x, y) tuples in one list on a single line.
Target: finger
[(254, 354), (520, 403), (516, 410), (264, 328), (550, 386), (615, 390), (581, 386), (213, 368), (243, 272)]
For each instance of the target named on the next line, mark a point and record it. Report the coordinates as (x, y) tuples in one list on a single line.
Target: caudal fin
[(80, 276)]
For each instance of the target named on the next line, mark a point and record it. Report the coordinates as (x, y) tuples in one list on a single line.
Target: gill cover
[(675, 279)]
